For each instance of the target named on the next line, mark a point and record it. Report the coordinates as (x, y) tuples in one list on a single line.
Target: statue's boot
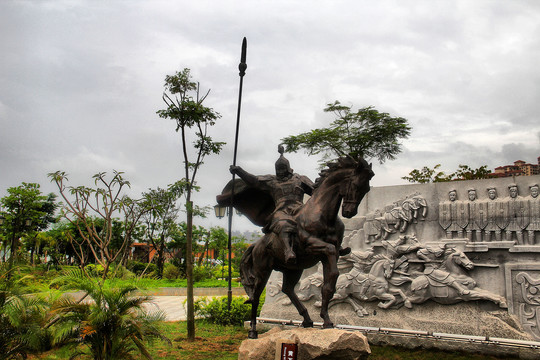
[(290, 256), (344, 251), (460, 288)]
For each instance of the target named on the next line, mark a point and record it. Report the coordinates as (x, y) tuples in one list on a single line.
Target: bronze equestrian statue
[(297, 236)]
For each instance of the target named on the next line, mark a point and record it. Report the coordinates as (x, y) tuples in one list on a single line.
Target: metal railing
[(485, 340)]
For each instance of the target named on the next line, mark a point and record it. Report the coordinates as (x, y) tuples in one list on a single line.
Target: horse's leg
[(400, 292), (290, 279), (256, 267), (358, 309), (260, 283), (385, 296), (331, 273)]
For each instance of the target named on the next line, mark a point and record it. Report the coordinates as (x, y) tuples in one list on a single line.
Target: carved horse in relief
[(372, 286), (455, 264), (320, 233)]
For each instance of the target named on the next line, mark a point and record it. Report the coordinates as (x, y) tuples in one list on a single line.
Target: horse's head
[(355, 186), (388, 268), (459, 258)]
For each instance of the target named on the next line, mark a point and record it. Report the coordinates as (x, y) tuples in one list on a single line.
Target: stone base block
[(312, 344)]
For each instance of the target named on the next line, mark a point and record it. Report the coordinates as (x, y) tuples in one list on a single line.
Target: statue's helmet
[(282, 162)]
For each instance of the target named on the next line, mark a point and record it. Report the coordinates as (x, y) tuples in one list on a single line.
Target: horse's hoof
[(253, 334), (307, 324), (408, 304), (328, 326)]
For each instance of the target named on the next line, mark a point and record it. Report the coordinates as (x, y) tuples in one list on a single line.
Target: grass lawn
[(215, 342)]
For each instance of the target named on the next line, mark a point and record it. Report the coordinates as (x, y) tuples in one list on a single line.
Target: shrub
[(201, 273), (222, 271), (138, 267), (171, 272), (122, 272), (94, 270), (216, 312)]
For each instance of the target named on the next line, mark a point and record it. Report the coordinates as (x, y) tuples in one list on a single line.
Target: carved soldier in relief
[(433, 256), (534, 206), (476, 217), (491, 205), (518, 214), (453, 215)]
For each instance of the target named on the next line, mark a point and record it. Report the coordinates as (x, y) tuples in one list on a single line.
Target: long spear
[(242, 67)]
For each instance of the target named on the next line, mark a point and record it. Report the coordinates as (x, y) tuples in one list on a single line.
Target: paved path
[(173, 306)]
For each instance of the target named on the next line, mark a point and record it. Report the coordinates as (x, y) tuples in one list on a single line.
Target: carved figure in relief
[(453, 215), (448, 289), (433, 269), (534, 206), (395, 217), (403, 245), (477, 217), (491, 208), (372, 228), (420, 207), (373, 286), (518, 214)]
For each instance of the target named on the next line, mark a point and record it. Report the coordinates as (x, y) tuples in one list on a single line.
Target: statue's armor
[(288, 196), (491, 209), (431, 267), (534, 205), (476, 215), (518, 211)]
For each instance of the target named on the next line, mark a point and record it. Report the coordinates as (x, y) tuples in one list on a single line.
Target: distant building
[(520, 168)]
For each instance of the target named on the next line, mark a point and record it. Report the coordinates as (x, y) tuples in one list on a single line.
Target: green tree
[(239, 245), (464, 172), (431, 175), (366, 132), (25, 211), (111, 326), (427, 175), (93, 212), (160, 219), (185, 107)]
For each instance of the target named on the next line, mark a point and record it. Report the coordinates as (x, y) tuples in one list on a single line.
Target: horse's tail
[(247, 278)]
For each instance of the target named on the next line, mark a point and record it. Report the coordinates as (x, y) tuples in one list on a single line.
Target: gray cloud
[(80, 82)]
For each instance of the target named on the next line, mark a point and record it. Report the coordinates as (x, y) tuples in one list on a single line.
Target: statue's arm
[(307, 185), (250, 179)]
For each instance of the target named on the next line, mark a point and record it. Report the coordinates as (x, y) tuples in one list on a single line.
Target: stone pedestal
[(312, 344)]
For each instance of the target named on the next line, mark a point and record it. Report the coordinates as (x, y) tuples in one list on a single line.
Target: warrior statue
[(287, 190)]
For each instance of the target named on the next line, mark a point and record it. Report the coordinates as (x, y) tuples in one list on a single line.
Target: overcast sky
[(81, 81)]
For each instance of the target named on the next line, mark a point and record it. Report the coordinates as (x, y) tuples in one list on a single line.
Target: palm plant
[(110, 323), (21, 321)]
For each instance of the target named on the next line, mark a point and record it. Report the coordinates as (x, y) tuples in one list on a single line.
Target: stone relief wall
[(417, 246)]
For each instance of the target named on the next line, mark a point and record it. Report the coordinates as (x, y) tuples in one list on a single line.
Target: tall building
[(520, 168)]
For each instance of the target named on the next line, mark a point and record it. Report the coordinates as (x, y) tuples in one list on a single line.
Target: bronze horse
[(320, 233)]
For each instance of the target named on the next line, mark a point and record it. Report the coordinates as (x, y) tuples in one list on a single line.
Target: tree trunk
[(189, 273)]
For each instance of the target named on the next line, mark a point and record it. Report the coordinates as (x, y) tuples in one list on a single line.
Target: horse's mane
[(344, 162)]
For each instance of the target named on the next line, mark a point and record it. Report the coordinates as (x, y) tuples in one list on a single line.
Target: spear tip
[(243, 66)]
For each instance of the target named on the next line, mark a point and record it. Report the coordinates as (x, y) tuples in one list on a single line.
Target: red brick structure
[(520, 168)]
